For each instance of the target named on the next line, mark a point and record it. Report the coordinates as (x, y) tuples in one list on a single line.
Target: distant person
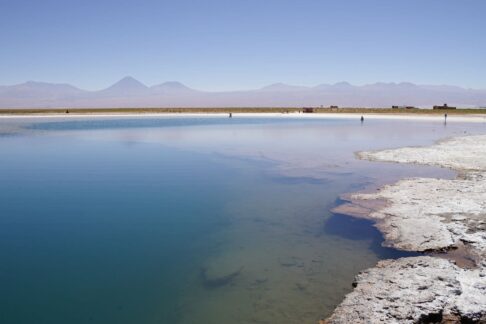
[(445, 117), (362, 119), (230, 115)]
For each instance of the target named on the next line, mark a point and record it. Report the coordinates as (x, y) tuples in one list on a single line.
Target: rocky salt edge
[(425, 215)]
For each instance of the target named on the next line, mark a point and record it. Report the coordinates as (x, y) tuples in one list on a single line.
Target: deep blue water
[(105, 234), (95, 228)]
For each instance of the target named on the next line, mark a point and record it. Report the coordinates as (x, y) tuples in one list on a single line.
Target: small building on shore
[(307, 110), (444, 106), (403, 107)]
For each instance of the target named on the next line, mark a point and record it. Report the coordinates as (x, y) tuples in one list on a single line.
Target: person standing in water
[(362, 119), (445, 118)]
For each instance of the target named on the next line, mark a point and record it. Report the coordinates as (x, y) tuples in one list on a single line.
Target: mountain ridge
[(129, 92)]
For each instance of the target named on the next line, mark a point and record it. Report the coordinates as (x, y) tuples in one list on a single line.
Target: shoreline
[(430, 216), (456, 117)]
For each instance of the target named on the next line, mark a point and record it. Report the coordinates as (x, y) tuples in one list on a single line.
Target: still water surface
[(189, 220)]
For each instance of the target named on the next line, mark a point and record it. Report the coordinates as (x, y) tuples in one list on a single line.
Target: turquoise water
[(185, 220)]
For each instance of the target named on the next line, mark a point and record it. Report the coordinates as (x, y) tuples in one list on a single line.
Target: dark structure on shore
[(315, 109), (444, 106), (403, 107)]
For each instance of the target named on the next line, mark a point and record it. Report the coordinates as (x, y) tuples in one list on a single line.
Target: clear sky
[(242, 44)]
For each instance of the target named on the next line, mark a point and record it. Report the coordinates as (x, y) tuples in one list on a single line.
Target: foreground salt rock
[(433, 214), (414, 290), (424, 214)]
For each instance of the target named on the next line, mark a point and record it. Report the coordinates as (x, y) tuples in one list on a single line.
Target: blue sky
[(225, 45)]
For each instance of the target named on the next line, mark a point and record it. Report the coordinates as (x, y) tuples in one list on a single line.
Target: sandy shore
[(415, 117), (426, 215)]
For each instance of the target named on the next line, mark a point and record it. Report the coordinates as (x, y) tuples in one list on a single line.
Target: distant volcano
[(127, 86)]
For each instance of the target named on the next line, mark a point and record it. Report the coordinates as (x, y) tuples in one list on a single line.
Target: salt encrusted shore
[(474, 118), (426, 215)]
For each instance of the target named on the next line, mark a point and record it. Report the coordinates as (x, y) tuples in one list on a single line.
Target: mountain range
[(129, 92)]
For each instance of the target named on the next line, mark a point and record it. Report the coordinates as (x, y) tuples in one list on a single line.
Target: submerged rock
[(214, 276), (291, 261)]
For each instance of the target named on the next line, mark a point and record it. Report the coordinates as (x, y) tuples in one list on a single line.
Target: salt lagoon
[(191, 219)]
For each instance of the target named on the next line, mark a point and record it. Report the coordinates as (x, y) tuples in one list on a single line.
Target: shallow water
[(185, 220)]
